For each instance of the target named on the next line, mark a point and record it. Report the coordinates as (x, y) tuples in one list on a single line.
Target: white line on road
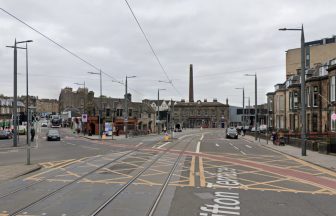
[(202, 137), (138, 144), (209, 185), (88, 147), (163, 145), (217, 145), (243, 152), (236, 147), (198, 147), (71, 144), (248, 146)]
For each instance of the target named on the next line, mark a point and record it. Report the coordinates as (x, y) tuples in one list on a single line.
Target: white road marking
[(138, 144), (231, 144), (243, 152), (163, 145), (248, 146), (236, 147), (209, 185), (198, 147), (217, 144), (71, 144), (202, 137), (88, 147)]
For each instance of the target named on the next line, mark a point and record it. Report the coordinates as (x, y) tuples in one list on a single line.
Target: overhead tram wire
[(58, 44), (66, 49), (151, 47)]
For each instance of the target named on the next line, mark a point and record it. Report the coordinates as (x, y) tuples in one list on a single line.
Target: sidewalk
[(15, 170), (323, 160), (120, 137), (8, 143)]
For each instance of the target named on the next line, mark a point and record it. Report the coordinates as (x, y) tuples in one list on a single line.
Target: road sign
[(84, 118)]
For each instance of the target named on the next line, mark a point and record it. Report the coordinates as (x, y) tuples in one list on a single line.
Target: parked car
[(232, 133), (253, 129), (22, 129), (53, 135), (5, 134), (263, 128), (44, 123)]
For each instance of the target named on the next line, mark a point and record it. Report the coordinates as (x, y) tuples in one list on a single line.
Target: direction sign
[(84, 118)]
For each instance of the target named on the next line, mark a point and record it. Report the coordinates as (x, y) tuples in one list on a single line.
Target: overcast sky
[(222, 39)]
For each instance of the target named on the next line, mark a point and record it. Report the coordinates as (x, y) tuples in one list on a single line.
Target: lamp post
[(256, 103), (15, 94), (101, 103), (303, 99), (158, 109), (243, 107), (126, 107)]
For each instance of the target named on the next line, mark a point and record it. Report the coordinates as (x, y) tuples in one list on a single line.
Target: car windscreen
[(3, 133), (232, 130), (54, 132)]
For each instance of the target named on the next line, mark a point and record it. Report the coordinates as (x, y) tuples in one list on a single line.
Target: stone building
[(141, 117), (47, 106), (317, 52), (6, 110), (331, 97), (199, 113), (73, 100), (163, 109), (279, 113)]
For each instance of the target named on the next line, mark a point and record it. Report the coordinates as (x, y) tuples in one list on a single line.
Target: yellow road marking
[(201, 172), (267, 182), (323, 170), (192, 172)]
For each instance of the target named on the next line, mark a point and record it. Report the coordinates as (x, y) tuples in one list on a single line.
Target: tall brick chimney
[(191, 84)]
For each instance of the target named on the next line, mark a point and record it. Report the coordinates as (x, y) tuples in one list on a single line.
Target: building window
[(130, 112), (314, 122), (308, 97), (281, 103), (108, 112), (290, 100), (315, 96), (149, 115), (119, 112), (296, 100), (332, 88)]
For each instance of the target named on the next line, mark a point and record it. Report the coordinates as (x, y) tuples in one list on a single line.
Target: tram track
[(154, 205), (21, 189)]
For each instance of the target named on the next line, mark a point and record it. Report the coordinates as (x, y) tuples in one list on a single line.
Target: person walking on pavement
[(32, 133)]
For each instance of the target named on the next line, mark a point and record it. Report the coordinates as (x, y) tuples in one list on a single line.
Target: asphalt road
[(199, 173)]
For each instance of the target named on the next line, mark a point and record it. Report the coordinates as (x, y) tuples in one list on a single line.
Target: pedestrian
[(32, 134), (244, 131)]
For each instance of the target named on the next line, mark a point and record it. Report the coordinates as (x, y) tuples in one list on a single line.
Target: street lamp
[(126, 107), (15, 95), (101, 103), (243, 107), (256, 104), (158, 109), (303, 99)]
